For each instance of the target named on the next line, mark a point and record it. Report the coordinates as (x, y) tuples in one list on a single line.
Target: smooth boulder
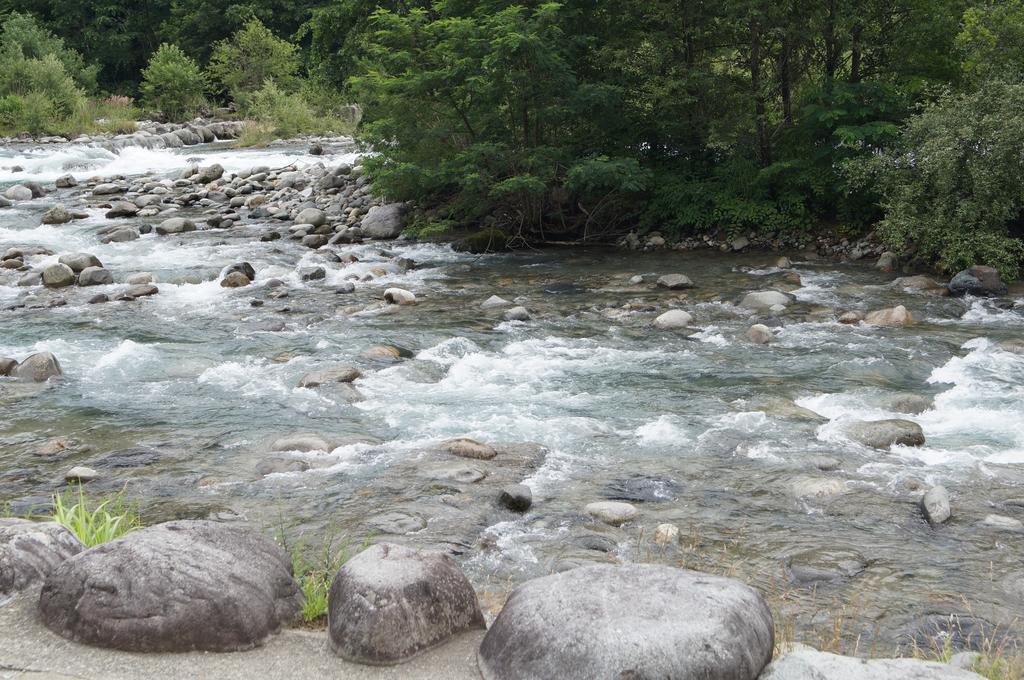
[(95, 276), (469, 448), (58, 214), (761, 300), (935, 505), (892, 317), (978, 280), (337, 374), (390, 603), (399, 296), (29, 551), (673, 319), (175, 225), (881, 434), (174, 587), (810, 664), (38, 367), (675, 282), (313, 216), (384, 221), (79, 261), (635, 621), (58, 276)]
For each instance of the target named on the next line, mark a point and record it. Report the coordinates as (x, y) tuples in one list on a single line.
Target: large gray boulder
[(390, 603), (881, 434), (636, 621), (58, 276), (58, 214), (810, 664), (384, 221), (174, 587), (762, 300), (313, 216), (18, 192), (79, 261), (208, 174), (977, 280), (38, 367), (29, 551), (95, 276), (175, 225)]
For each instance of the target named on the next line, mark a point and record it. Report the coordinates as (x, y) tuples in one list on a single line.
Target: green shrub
[(253, 56), (22, 38), (105, 521), (288, 113), (951, 188), (173, 84), (314, 569)]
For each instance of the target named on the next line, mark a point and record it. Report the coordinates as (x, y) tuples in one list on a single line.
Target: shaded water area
[(177, 398)]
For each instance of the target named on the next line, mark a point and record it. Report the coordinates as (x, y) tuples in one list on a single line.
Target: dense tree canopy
[(582, 118)]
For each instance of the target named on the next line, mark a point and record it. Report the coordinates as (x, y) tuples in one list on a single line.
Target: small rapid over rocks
[(272, 362)]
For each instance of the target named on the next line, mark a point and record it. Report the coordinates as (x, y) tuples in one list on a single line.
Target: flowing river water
[(175, 398)]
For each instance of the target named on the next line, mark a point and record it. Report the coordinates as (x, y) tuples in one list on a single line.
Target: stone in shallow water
[(891, 317), (469, 448), (675, 281), (810, 664), (636, 621), (174, 587), (397, 523), (673, 319), (666, 534), (935, 505), (516, 497), (612, 512), (399, 296), (958, 632), (765, 299), (825, 564), (38, 367), (337, 374), (301, 442), (390, 603), (881, 434), (58, 276), (643, 489), (29, 551)]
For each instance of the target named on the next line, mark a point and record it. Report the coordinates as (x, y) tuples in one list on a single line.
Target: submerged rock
[(301, 442), (882, 434), (469, 448), (675, 282), (337, 374), (636, 621), (174, 587), (810, 664), (29, 551), (935, 505), (38, 367), (390, 603), (825, 564)]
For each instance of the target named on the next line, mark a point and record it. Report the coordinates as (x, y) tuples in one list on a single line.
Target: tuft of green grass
[(314, 569), (103, 522)]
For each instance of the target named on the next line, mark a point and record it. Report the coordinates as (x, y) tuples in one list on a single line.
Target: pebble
[(614, 513), (80, 473)]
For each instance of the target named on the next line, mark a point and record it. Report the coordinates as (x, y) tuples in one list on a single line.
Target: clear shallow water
[(700, 431)]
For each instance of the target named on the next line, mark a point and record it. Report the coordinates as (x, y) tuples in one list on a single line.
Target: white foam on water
[(84, 161), (666, 429), (712, 335), (982, 312)]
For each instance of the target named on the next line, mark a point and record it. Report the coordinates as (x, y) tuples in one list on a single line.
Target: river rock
[(337, 374), (301, 442), (762, 300), (887, 262), (977, 280), (139, 278), (399, 296), (142, 290), (469, 448), (38, 367), (675, 282), (519, 313), (7, 365), (1003, 523), (174, 587), (882, 434), (666, 534), (614, 513), (921, 284), (390, 603), (384, 221), (494, 302), (908, 402), (18, 192), (891, 317), (58, 276), (65, 182), (824, 565), (95, 276), (516, 497), (29, 551), (107, 189), (935, 505), (673, 319), (79, 261), (635, 621), (398, 523), (235, 279), (58, 214), (122, 235), (210, 173), (759, 334), (817, 488), (313, 216), (80, 473), (810, 664), (175, 225), (121, 209)]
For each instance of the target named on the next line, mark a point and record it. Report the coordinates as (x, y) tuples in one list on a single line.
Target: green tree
[(951, 188), (992, 40), (173, 83), (250, 58), (24, 39)]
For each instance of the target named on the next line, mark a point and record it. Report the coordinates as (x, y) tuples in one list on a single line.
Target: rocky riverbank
[(241, 340)]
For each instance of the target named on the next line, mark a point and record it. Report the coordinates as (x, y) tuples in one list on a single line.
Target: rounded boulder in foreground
[(29, 551), (636, 621), (389, 603), (174, 587)]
